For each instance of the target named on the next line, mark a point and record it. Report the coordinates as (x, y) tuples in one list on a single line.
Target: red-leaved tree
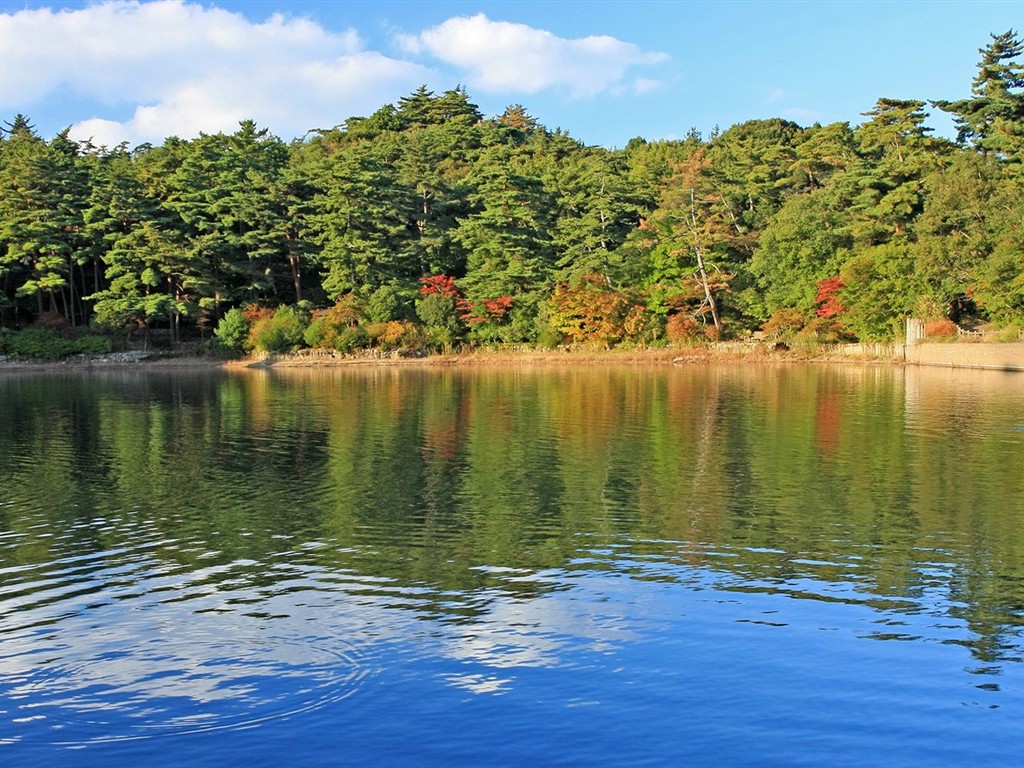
[(827, 299)]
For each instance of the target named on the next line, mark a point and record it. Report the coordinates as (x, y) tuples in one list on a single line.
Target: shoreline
[(658, 357), (966, 356)]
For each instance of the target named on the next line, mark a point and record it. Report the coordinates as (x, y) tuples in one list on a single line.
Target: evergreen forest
[(428, 225)]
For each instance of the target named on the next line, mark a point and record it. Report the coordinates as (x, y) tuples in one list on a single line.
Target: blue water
[(487, 568)]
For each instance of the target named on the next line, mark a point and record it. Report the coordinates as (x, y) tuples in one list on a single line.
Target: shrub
[(589, 312), (784, 323), (40, 344), (548, 336), (91, 344), (442, 326), (282, 332), (438, 310), (393, 334), (439, 338), (347, 310), (45, 344), (233, 330), (338, 327), (643, 326), (824, 330), (942, 328), (682, 328), (317, 331), (348, 339), (384, 305), (53, 321), (1009, 333)]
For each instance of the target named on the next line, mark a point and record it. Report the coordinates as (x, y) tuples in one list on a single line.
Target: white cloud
[(143, 71), (502, 56), (181, 68), (644, 85)]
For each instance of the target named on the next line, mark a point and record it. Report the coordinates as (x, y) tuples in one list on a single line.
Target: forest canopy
[(427, 224)]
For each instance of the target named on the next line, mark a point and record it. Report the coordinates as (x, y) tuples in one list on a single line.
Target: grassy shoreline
[(519, 357), (1005, 357)]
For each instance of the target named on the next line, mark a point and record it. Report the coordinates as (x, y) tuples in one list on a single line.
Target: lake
[(756, 565)]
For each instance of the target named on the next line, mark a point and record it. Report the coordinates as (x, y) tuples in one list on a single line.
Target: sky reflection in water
[(599, 566)]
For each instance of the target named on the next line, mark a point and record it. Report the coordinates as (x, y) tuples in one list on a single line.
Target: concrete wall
[(1004, 357)]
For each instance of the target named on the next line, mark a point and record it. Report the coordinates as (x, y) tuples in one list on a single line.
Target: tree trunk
[(293, 262), (172, 320), (707, 289), (71, 291), (701, 269)]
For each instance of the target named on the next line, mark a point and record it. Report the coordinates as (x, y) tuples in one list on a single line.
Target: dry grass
[(721, 352), (735, 351)]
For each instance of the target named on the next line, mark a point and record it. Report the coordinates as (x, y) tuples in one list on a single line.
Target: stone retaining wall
[(1004, 357)]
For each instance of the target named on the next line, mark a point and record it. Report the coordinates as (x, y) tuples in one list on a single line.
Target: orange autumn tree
[(590, 312), (698, 228)]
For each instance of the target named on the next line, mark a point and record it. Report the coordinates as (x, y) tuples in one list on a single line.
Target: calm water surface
[(586, 566)]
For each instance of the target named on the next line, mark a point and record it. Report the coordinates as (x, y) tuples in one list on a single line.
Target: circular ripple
[(169, 686)]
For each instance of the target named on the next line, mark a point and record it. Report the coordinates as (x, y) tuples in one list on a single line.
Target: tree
[(262, 202), (805, 242), (166, 242), (516, 118), (992, 120), (41, 188), (649, 165), (431, 167), (229, 192), (597, 209), (1000, 287), (696, 228), (821, 151), (363, 223), (752, 162), (896, 153), (453, 107), (138, 246), (422, 108), (958, 228), (878, 291), (507, 236)]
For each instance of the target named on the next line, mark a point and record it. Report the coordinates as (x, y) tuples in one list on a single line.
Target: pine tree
[(598, 207), (41, 186), (992, 120), (363, 223), (507, 238), (896, 154)]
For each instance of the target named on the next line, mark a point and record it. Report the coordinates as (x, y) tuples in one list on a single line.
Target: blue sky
[(605, 71)]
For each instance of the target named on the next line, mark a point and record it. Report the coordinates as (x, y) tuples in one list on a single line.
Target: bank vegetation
[(428, 227)]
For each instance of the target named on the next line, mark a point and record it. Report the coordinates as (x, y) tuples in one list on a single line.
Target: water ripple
[(138, 648), (185, 682)]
